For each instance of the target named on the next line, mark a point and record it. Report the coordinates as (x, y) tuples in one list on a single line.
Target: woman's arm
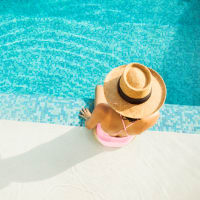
[(100, 111)]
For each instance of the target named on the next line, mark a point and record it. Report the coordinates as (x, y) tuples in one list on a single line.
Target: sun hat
[(134, 90)]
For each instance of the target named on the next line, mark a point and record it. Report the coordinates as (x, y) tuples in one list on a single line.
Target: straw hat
[(134, 90)]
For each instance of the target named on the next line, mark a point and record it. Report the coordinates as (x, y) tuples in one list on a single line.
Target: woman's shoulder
[(106, 113), (155, 115), (145, 123), (150, 119), (103, 108)]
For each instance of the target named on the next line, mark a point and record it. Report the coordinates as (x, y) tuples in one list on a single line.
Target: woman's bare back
[(111, 121), (113, 124)]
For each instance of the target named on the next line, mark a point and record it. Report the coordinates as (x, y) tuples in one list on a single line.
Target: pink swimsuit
[(110, 141)]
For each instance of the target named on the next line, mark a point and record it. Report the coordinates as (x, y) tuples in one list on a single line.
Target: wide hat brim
[(153, 104)]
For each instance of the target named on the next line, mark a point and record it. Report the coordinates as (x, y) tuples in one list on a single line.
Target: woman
[(127, 105)]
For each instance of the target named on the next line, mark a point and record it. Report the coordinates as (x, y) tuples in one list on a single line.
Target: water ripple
[(54, 56), (55, 31), (75, 45), (68, 34), (52, 19)]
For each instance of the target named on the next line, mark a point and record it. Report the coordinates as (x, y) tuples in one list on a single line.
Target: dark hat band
[(129, 99)]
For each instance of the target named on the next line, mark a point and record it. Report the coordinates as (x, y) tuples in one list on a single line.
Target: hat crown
[(135, 81), (136, 78)]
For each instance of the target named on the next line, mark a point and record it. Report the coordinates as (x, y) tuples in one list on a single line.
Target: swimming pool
[(54, 53)]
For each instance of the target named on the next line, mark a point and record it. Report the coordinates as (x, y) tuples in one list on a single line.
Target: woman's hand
[(86, 114)]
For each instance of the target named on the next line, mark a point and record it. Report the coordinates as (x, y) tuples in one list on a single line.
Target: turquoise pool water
[(62, 49)]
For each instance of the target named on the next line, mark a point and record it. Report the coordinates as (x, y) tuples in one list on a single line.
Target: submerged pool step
[(42, 109), (65, 111), (179, 118)]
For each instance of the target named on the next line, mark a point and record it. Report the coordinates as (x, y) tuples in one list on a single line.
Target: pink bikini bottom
[(110, 141)]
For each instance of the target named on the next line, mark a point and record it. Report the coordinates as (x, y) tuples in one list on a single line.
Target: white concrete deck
[(50, 162)]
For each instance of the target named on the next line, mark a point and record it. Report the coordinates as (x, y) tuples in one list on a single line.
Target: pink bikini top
[(111, 141), (125, 127)]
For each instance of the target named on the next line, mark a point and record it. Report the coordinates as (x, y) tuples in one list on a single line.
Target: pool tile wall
[(65, 111)]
